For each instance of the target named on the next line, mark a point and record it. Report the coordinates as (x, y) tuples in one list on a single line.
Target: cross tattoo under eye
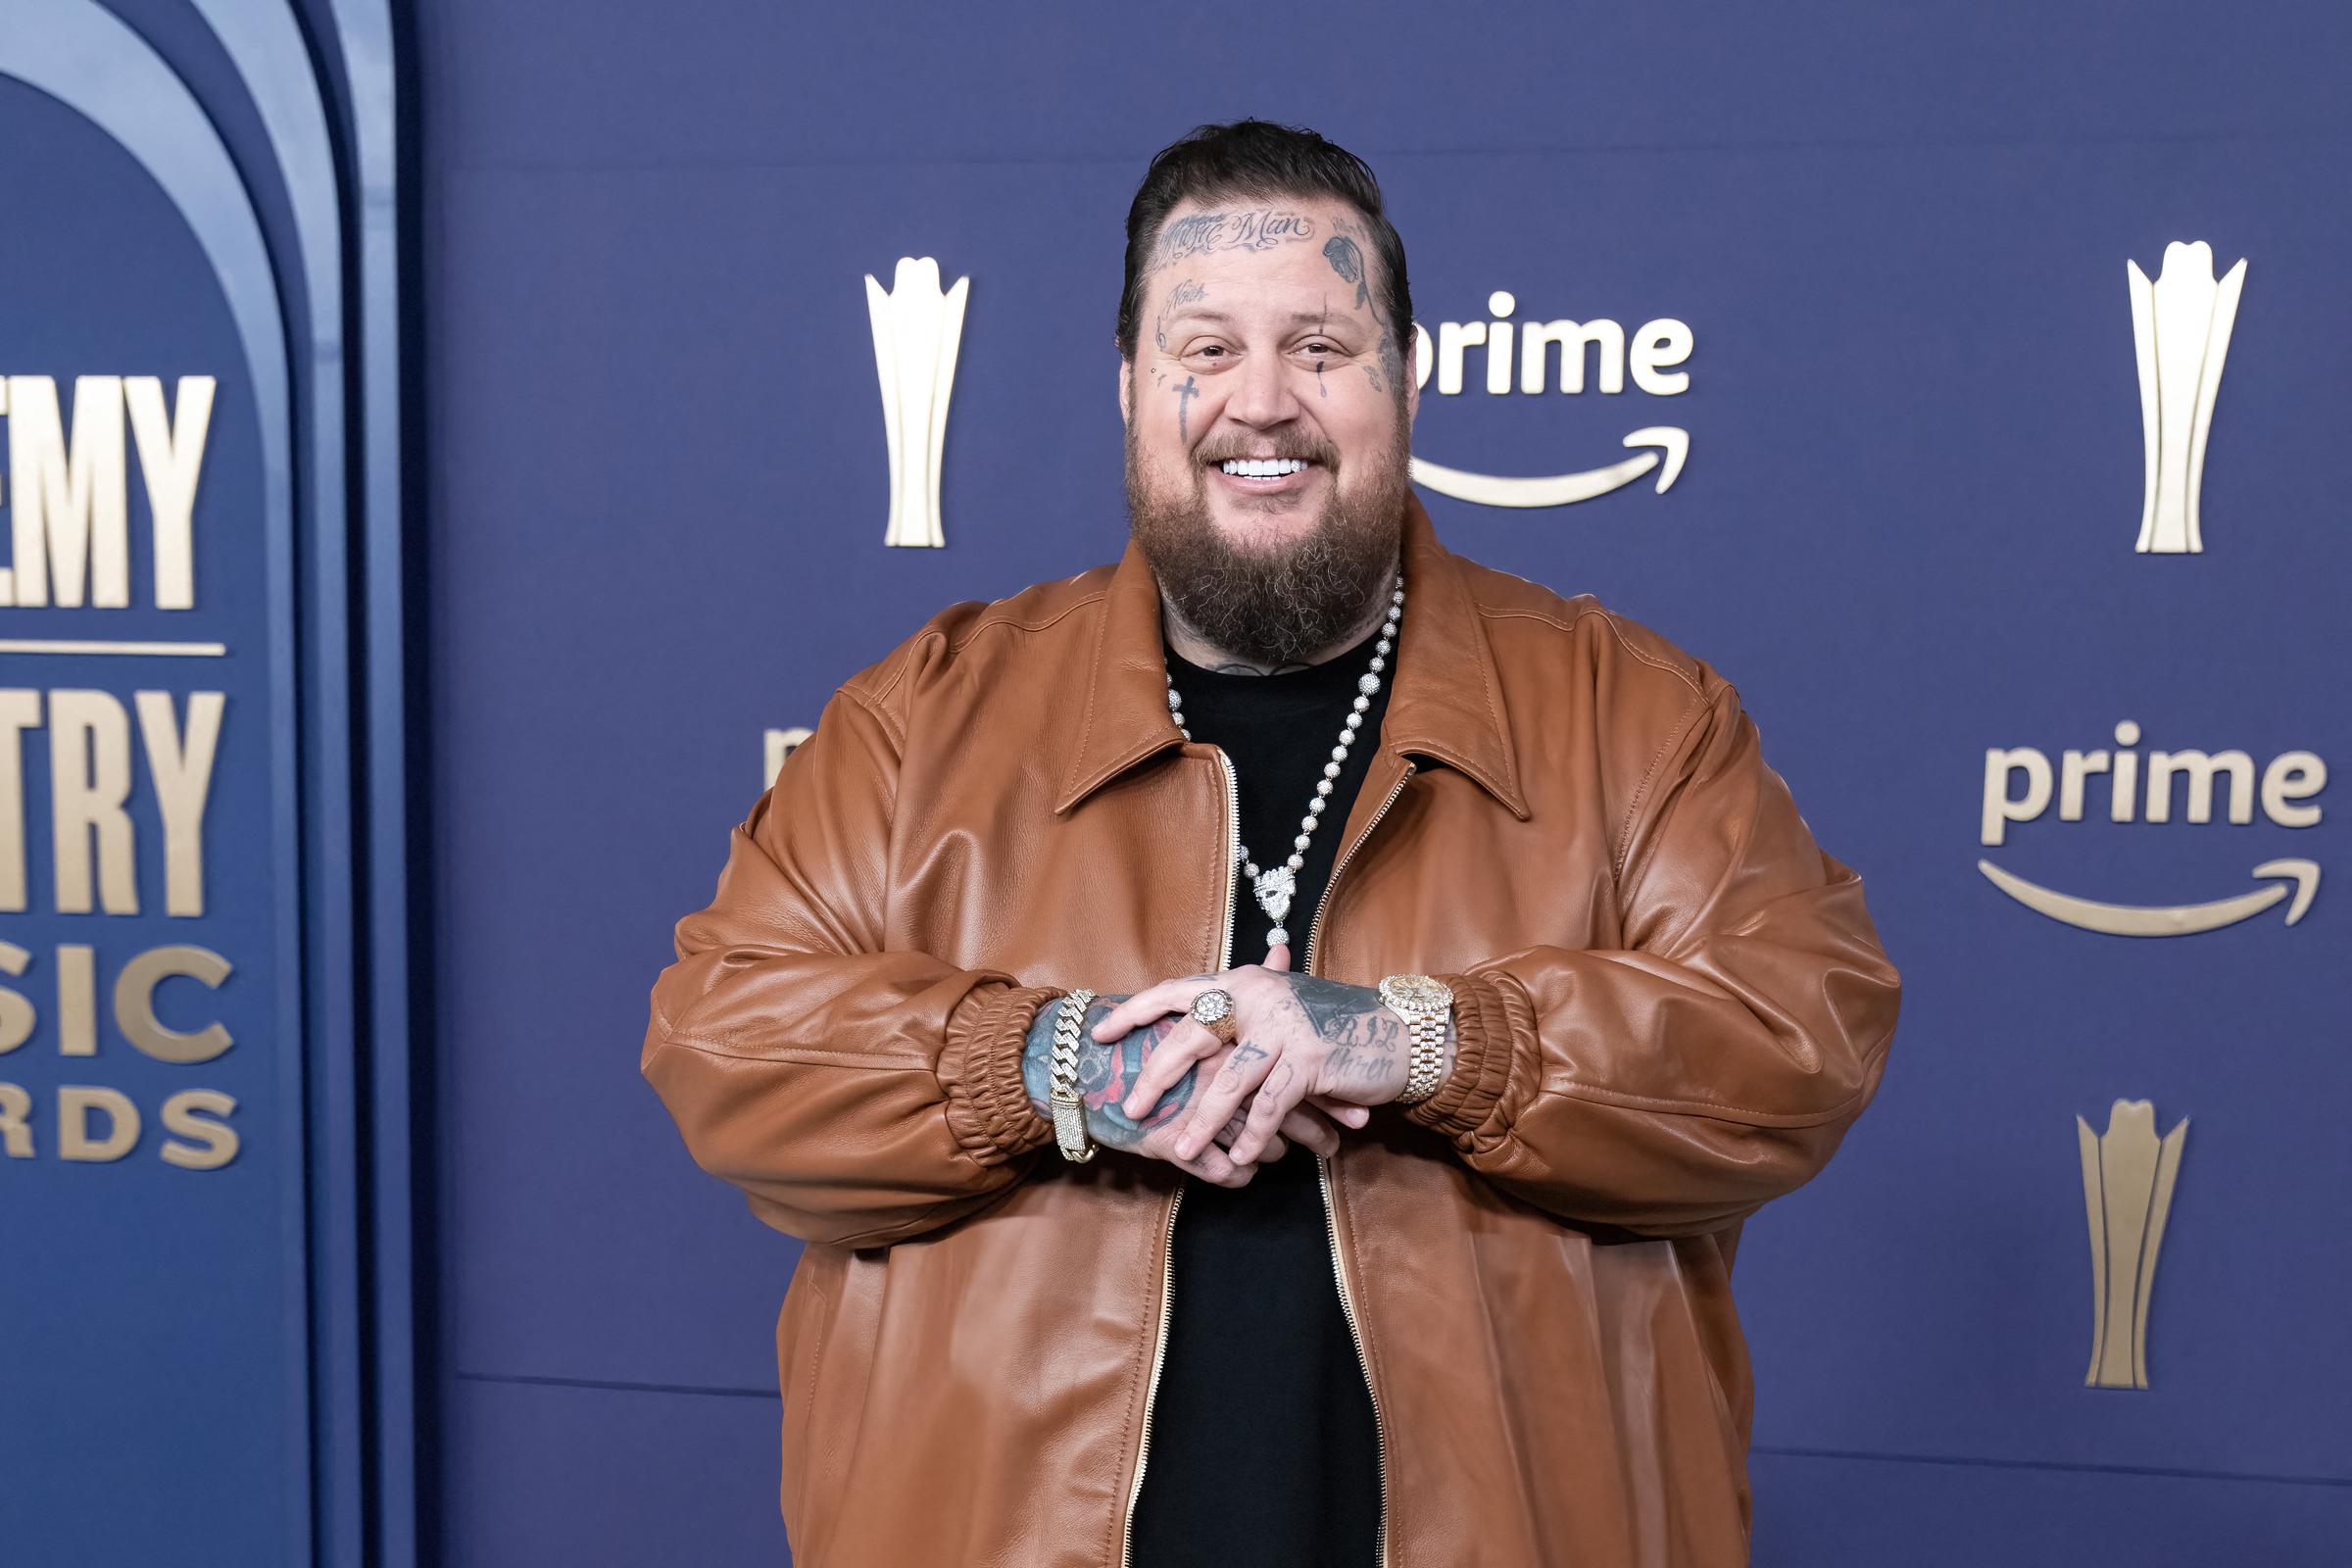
[(1185, 393)]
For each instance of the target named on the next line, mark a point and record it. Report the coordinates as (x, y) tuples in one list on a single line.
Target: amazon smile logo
[(2020, 781), (1530, 357)]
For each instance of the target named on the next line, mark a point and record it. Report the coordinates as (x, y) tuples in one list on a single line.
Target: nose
[(1263, 395)]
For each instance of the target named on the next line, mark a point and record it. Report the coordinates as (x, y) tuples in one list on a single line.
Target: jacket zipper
[(1167, 1235), (1330, 1227)]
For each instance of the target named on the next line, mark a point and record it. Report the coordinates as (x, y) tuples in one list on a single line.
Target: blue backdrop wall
[(1906, 528), (652, 520)]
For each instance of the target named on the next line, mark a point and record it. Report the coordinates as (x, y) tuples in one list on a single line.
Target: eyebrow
[(1296, 317)]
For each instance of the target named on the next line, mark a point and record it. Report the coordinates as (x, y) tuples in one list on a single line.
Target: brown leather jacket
[(1670, 1004)]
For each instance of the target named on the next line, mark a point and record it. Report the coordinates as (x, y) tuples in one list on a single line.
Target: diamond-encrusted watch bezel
[(1423, 1003), (1417, 993)]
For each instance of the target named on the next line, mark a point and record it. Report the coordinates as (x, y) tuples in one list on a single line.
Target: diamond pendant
[(1274, 889)]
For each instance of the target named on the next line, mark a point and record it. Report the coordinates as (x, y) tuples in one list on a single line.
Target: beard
[(1276, 605)]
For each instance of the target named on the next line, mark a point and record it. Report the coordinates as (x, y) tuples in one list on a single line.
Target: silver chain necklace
[(1275, 887)]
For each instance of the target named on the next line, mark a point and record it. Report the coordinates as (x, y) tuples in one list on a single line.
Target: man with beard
[(1466, 979)]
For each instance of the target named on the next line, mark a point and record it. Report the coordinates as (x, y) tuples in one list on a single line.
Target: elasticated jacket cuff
[(987, 1102), (1484, 1047)]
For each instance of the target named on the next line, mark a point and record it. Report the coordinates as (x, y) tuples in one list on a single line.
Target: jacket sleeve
[(1673, 1086), (856, 1095)]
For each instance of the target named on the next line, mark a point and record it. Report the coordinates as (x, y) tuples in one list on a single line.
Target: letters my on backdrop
[(66, 489)]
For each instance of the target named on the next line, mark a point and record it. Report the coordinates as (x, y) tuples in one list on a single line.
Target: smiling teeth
[(1263, 468)]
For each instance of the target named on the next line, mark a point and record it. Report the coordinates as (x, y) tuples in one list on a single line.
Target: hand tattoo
[(1107, 1073), (1366, 1039)]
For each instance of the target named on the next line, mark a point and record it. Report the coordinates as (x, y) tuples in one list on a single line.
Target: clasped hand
[(1298, 1039)]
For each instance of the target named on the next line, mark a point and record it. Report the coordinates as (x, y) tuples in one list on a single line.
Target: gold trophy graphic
[(2128, 1176)]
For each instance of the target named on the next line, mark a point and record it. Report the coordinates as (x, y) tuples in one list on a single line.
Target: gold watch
[(1423, 1003)]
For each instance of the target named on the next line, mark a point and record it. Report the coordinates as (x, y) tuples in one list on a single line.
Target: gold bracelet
[(1069, 1111)]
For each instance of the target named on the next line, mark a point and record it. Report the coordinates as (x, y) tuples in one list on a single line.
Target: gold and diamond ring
[(1213, 1010)]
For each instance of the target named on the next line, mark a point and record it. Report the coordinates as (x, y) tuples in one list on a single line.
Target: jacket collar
[(1444, 702)]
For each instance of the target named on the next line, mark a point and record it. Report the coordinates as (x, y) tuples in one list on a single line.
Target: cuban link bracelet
[(1069, 1111)]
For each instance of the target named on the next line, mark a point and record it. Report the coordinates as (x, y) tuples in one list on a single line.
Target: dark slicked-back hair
[(1259, 160)]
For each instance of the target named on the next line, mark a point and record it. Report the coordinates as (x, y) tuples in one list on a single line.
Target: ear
[(1412, 390), (1126, 390)]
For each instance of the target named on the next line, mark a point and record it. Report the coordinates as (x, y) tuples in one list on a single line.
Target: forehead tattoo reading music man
[(1270, 1044)]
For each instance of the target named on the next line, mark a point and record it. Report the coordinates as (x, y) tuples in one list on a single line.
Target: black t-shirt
[(1265, 1453)]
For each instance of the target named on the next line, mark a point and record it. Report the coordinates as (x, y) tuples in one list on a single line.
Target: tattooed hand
[(1295, 1036), (1107, 1072)]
